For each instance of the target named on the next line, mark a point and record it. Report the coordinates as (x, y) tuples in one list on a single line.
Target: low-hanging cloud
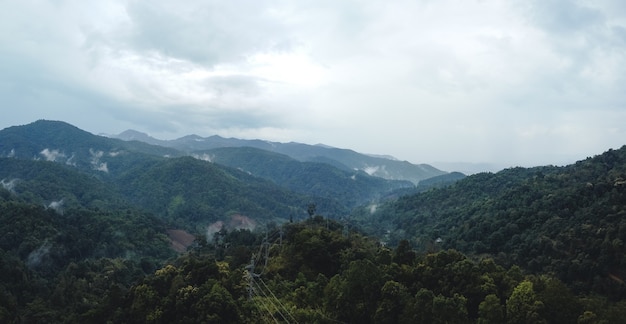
[(52, 155), (9, 184), (37, 256), (96, 155), (57, 206)]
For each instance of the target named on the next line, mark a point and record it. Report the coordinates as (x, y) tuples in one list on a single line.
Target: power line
[(278, 300), (270, 301), (266, 308)]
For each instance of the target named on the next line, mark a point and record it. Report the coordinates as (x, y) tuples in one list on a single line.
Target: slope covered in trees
[(84, 240), (315, 272), (195, 193), (349, 160), (177, 188), (569, 221), (352, 188)]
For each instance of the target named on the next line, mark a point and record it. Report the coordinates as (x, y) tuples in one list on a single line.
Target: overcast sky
[(529, 82)]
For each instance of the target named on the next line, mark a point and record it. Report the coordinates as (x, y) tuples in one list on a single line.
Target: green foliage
[(194, 193), (490, 310), (520, 246), (568, 221), (348, 187)]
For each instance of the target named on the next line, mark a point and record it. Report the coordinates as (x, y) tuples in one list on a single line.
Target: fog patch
[(52, 155), (35, 257), (114, 154), (9, 185), (203, 157), (377, 170), (236, 222), (11, 154), (371, 169), (373, 208), (95, 161), (71, 161), (57, 206), (102, 167), (212, 229)]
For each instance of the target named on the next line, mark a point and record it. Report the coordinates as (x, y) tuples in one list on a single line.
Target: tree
[(404, 254), (448, 310), (523, 307), (490, 311), (353, 294), (394, 298)]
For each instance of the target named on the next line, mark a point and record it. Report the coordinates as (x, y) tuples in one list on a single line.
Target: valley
[(134, 229)]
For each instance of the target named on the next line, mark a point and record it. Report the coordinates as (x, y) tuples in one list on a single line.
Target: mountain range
[(380, 166), (195, 181), (93, 228)]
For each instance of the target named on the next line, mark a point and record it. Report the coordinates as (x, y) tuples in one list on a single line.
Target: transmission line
[(278, 300), (271, 302)]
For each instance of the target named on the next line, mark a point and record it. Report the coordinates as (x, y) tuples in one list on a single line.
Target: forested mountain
[(88, 241), (569, 221), (318, 179), (341, 158), (195, 193), (125, 164), (308, 272), (84, 224), (61, 142)]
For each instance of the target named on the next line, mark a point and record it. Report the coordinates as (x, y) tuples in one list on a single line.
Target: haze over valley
[(240, 230), (406, 161)]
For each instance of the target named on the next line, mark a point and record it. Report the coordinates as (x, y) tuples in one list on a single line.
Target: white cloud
[(57, 206), (52, 155), (497, 81), (95, 161), (9, 185)]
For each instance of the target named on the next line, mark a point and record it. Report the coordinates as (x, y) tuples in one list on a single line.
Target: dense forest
[(567, 221), (307, 272), (86, 227)]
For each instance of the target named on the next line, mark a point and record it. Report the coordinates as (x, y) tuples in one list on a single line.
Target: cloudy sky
[(527, 82)]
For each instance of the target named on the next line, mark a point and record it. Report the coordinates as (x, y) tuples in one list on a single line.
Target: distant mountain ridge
[(381, 166), (188, 188)]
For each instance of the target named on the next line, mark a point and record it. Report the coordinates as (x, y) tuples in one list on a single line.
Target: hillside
[(61, 142), (101, 230), (203, 191), (352, 187), (569, 221), (349, 160), (306, 272), (195, 193)]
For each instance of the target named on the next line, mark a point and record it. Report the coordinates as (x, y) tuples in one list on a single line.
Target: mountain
[(351, 187), (151, 176), (61, 142), (470, 168), (570, 221), (121, 163), (46, 183), (378, 166), (193, 193), (86, 242)]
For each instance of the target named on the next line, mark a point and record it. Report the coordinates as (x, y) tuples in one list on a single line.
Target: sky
[(513, 83)]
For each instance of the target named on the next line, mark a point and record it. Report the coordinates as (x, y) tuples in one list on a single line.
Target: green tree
[(448, 310), (394, 297), (353, 295), (420, 310), (523, 307), (404, 254), (490, 310)]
